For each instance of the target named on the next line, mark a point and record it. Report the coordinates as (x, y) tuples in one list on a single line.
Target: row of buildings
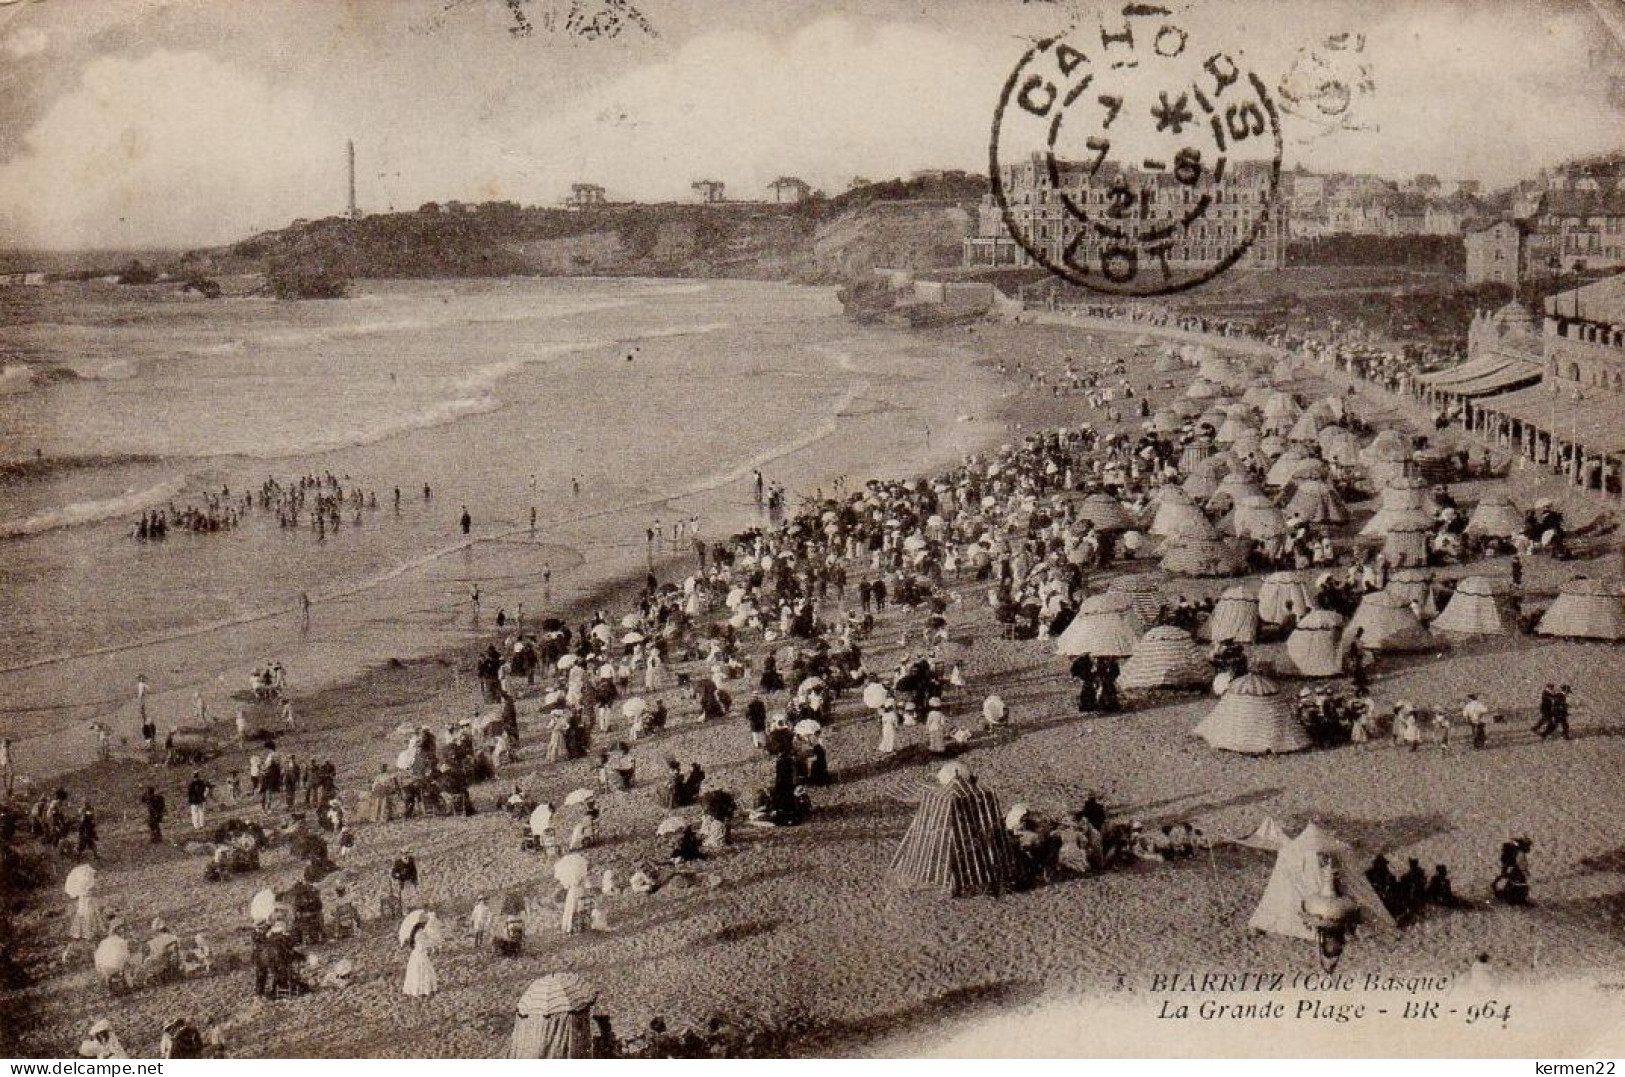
[(1240, 204), (1566, 220)]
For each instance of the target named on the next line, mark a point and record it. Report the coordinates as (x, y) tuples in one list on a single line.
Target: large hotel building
[(1240, 197)]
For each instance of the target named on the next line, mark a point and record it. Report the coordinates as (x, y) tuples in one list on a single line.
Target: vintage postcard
[(726, 528)]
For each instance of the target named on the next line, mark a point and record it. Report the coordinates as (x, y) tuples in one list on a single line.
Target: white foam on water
[(78, 513)]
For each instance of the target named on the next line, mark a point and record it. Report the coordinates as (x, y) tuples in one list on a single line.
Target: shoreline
[(1100, 925)]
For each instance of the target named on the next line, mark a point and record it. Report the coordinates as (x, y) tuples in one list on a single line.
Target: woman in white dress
[(421, 981)]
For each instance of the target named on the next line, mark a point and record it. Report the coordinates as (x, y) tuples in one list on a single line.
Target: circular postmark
[(1133, 162)]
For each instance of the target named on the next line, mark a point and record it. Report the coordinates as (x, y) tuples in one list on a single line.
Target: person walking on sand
[(153, 802), (421, 981), (466, 522), (1477, 715), (141, 689), (888, 728), (304, 602)]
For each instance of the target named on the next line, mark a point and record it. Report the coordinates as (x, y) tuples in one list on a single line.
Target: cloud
[(838, 97), (25, 42), (170, 148)]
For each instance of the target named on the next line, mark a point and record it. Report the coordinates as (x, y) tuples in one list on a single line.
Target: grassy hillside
[(918, 224)]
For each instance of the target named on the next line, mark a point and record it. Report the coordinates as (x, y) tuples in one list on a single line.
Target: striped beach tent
[(1180, 516), (1105, 512), (1385, 622), (1256, 517), (1495, 517), (1405, 543), (1144, 590), (1253, 718), (1415, 586), (1194, 453), (1314, 645), (1481, 606), (553, 1019), (1105, 624), (1235, 616), (1165, 657), (1586, 609), (1317, 502), (1194, 556), (1279, 591), (957, 841)]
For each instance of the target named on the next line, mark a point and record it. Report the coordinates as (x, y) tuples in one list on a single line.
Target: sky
[(172, 123)]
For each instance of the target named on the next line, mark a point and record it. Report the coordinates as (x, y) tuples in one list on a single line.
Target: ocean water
[(659, 396)]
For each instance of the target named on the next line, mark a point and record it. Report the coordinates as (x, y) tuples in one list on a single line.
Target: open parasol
[(262, 905), (571, 869), (808, 728), (112, 954), (579, 796), (80, 881), (409, 924), (875, 695), (672, 824), (566, 661), (635, 708)]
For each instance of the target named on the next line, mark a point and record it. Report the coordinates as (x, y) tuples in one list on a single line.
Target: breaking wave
[(89, 512)]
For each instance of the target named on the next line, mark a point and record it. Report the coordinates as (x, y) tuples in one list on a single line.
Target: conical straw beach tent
[(1314, 645), (1388, 624), (1481, 606), (1586, 609), (1280, 472), (957, 841), (1178, 514), (1307, 428), (1256, 517), (1316, 502), (1253, 718), (1188, 555), (1105, 512), (553, 1019), (1308, 867), (1144, 590), (1279, 591), (1165, 657), (1235, 616), (1495, 517), (1104, 625)]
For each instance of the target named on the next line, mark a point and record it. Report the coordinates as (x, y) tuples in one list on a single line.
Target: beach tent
[(1388, 446), (1388, 624), (1202, 389), (1481, 606), (1307, 428), (957, 841), (1586, 609), (1144, 590), (1272, 446), (1315, 863), (1280, 472), (1194, 453), (1414, 586), (1233, 428), (1280, 412), (1256, 517), (1253, 718), (1495, 517), (1405, 543), (1316, 502), (1267, 835), (553, 1019), (1180, 516), (1167, 364), (1194, 556), (1235, 616), (1104, 625), (1165, 657), (1279, 590), (1164, 422), (1339, 445), (1314, 645), (1105, 512)]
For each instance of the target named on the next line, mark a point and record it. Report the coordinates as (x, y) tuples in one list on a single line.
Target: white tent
[(1267, 835), (1315, 863)]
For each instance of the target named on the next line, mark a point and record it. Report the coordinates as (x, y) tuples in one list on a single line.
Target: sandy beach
[(799, 930)]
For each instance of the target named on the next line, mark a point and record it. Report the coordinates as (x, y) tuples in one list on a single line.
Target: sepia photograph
[(721, 529)]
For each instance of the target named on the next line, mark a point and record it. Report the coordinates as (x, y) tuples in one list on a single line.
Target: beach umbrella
[(635, 708), (602, 633), (874, 695), (571, 869), (566, 661), (112, 955), (579, 796), (672, 824), (808, 728), (80, 881), (409, 924), (562, 992)]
